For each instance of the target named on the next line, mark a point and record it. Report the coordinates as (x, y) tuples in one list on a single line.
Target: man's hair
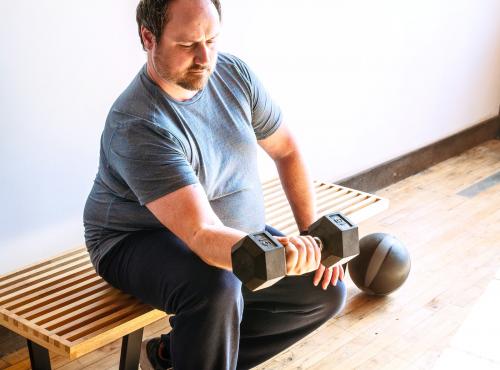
[(153, 14)]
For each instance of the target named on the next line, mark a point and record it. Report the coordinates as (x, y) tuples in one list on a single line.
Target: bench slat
[(76, 283), (267, 185), (365, 203), (119, 312), (40, 288), (90, 312), (42, 278), (286, 216), (59, 298), (21, 277), (27, 270), (103, 294), (36, 334), (329, 198), (342, 204), (118, 329), (320, 192), (321, 195), (289, 227)]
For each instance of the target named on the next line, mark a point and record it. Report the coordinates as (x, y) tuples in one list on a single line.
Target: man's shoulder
[(138, 99), (232, 64), (141, 110), (227, 58)]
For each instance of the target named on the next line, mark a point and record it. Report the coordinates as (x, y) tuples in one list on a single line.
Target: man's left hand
[(329, 275)]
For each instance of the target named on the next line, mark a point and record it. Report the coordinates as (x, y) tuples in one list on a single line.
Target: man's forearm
[(213, 244), (298, 188)]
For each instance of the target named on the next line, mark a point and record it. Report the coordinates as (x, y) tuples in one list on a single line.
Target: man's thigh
[(157, 268)]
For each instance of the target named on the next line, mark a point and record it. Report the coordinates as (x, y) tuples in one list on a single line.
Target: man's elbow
[(201, 233), (288, 156)]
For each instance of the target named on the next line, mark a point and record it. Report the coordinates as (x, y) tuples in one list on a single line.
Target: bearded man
[(178, 186)]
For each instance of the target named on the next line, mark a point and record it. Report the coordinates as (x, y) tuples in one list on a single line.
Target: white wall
[(361, 82)]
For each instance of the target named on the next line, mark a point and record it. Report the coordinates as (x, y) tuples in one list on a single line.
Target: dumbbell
[(259, 259)]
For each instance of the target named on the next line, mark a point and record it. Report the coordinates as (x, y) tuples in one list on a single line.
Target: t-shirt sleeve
[(150, 160), (266, 114)]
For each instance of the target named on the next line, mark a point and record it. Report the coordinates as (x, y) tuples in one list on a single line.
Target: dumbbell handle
[(319, 242), (338, 237), (341, 261)]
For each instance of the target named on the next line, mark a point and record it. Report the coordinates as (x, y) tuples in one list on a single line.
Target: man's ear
[(147, 38)]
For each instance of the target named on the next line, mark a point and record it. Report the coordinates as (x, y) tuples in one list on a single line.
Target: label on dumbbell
[(264, 241), (340, 221)]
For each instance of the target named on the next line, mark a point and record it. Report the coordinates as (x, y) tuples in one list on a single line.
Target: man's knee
[(329, 302), (217, 290), (222, 286), (335, 299)]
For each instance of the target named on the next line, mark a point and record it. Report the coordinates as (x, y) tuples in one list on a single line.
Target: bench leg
[(131, 349), (39, 356)]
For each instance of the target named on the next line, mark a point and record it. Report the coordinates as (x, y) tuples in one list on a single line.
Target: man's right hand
[(303, 254)]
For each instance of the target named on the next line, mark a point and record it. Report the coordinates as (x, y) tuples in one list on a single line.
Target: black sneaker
[(149, 359)]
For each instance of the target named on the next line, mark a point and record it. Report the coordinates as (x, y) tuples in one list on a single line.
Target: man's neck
[(173, 90)]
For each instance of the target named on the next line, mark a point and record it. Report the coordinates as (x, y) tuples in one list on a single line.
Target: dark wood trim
[(409, 164)]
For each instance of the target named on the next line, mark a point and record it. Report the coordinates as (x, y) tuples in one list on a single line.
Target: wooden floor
[(449, 299)]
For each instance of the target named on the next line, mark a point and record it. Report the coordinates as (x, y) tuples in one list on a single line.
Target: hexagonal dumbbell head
[(258, 260), (339, 237)]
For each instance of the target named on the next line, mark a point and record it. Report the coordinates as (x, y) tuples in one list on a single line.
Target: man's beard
[(194, 81), (185, 79)]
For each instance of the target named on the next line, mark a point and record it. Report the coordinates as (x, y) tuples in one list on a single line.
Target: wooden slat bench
[(62, 305)]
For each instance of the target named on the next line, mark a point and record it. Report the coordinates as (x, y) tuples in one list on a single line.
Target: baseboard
[(409, 164)]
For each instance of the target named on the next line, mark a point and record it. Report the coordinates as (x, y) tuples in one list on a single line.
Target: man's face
[(186, 54)]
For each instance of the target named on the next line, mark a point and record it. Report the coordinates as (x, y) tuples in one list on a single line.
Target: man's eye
[(186, 45)]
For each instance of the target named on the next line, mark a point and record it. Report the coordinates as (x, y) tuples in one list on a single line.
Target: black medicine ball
[(382, 265)]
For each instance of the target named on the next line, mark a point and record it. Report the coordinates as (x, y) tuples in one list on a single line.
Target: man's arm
[(187, 213), (282, 147)]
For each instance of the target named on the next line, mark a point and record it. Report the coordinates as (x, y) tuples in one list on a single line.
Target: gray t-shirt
[(153, 145)]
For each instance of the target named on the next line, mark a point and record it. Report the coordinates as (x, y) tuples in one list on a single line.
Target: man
[(178, 186)]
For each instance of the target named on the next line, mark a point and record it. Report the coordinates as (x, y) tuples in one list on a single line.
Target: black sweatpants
[(217, 323)]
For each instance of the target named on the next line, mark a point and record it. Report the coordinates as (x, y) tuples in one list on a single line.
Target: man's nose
[(202, 55)]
